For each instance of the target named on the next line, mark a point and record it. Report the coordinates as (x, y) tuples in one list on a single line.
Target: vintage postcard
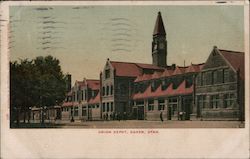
[(161, 74)]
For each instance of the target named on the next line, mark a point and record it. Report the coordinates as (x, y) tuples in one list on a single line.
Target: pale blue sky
[(84, 37)]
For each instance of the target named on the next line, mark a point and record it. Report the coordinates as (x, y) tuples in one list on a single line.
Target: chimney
[(68, 82)]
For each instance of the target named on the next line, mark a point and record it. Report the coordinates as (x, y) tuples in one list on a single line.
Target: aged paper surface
[(108, 142)]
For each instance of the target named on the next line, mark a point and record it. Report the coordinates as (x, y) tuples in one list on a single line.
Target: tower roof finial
[(159, 26)]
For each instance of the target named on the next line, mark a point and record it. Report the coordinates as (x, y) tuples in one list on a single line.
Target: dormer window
[(107, 73)]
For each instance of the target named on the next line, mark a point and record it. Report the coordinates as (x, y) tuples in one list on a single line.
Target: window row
[(82, 95), (108, 90), (106, 107), (216, 77), (228, 100)]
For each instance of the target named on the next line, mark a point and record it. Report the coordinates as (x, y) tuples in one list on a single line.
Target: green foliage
[(37, 82)]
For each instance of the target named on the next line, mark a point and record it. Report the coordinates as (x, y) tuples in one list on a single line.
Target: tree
[(51, 85), (37, 82)]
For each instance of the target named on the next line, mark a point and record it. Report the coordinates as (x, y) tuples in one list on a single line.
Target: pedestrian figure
[(106, 116), (181, 115), (161, 117)]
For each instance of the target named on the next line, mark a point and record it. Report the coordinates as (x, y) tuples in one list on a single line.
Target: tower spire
[(159, 43), (159, 26)]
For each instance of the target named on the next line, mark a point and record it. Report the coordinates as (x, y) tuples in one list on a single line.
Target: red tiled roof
[(167, 73), (146, 77), (148, 66), (182, 89), (235, 59), (179, 70), (126, 69), (156, 75), (148, 93), (129, 69), (95, 100), (159, 26), (93, 84), (194, 68), (138, 79), (67, 104)]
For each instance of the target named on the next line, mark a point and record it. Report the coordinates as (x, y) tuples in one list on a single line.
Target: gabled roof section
[(159, 26), (194, 68), (148, 66), (93, 84), (126, 69), (146, 77), (179, 70), (138, 79), (167, 73), (156, 75), (235, 59)]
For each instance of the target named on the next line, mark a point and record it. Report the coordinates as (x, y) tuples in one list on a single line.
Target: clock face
[(161, 46)]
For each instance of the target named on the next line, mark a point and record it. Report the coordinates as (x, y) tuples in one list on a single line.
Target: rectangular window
[(226, 75), (220, 76), (161, 105), (103, 91), (107, 73), (229, 100), (202, 78), (107, 90), (214, 102), (76, 111), (202, 101), (111, 107), (150, 105), (97, 105), (215, 77), (107, 107), (208, 78), (198, 79), (173, 102), (84, 112), (103, 107)]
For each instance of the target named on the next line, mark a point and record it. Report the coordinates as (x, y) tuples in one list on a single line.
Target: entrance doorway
[(140, 114)]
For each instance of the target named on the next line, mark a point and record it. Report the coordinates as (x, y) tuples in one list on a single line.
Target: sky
[(83, 37)]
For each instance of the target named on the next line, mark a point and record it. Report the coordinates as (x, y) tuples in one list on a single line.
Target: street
[(135, 124)]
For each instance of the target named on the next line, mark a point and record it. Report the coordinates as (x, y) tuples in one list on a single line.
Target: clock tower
[(159, 43)]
